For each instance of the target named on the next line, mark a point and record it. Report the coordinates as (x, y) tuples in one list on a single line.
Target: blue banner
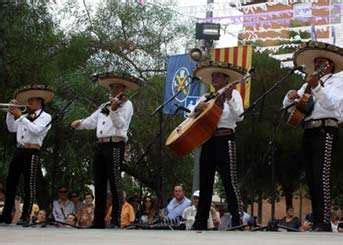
[(179, 79)]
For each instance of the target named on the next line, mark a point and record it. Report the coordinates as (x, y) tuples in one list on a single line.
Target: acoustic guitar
[(197, 129), (304, 107)]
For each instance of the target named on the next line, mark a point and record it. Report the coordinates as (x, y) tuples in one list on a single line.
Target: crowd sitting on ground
[(72, 210)]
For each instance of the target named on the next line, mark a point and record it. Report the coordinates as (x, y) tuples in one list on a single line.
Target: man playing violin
[(111, 121), (324, 65)]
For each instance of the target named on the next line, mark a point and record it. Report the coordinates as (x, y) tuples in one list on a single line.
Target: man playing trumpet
[(111, 121), (31, 129)]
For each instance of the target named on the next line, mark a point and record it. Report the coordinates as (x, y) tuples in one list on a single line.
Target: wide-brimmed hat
[(23, 94), (111, 78), (205, 69), (308, 51)]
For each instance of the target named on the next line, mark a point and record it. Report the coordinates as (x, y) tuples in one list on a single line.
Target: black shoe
[(199, 227), (113, 226), (94, 226), (323, 228), (23, 222), (5, 221)]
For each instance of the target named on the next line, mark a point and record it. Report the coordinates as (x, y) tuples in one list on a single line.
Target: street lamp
[(206, 32)]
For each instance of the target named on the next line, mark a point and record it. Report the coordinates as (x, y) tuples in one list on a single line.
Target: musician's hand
[(313, 81), (15, 111), (14, 102), (116, 103), (292, 95), (228, 93), (200, 107), (75, 124)]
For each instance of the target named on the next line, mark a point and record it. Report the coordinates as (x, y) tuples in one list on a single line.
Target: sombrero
[(307, 52), (205, 69), (23, 94), (110, 78)]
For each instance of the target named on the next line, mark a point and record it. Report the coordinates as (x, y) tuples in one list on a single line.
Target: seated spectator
[(127, 216), (340, 226), (63, 206), (17, 210), (34, 213), (189, 213), (86, 213), (2, 199), (177, 205), (41, 217), (108, 216), (135, 203), (215, 217), (71, 220), (225, 219), (74, 197), (149, 212), (334, 221), (290, 220)]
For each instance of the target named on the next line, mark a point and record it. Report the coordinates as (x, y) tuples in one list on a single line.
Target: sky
[(229, 33)]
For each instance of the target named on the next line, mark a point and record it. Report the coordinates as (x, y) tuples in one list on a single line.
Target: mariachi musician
[(31, 129), (323, 66), (219, 152), (111, 121)]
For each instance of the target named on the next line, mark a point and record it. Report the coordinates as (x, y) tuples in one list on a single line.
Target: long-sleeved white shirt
[(115, 124), (29, 132), (328, 98), (231, 111)]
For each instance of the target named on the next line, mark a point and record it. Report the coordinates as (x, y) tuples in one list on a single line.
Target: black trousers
[(24, 162), (218, 153), (108, 158), (319, 144)]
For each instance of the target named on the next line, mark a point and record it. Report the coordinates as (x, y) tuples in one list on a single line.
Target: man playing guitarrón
[(323, 65), (219, 152)]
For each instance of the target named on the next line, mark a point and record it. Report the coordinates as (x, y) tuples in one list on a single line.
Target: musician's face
[(116, 89), (322, 62), (219, 80), (34, 104)]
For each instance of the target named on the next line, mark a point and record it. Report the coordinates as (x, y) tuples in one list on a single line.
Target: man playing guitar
[(219, 152), (324, 65)]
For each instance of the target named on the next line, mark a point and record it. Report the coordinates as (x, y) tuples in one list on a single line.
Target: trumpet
[(5, 107)]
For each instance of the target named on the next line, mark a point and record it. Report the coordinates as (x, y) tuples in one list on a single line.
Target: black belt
[(317, 123), (223, 132)]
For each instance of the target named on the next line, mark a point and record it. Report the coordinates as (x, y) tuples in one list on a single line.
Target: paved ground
[(38, 236)]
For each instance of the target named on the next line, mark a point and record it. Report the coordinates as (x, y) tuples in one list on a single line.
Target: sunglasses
[(62, 191)]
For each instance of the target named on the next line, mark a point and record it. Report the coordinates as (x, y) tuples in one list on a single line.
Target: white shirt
[(231, 111), (115, 124), (29, 132), (328, 98), (189, 215)]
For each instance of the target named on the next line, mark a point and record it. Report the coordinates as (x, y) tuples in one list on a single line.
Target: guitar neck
[(222, 91)]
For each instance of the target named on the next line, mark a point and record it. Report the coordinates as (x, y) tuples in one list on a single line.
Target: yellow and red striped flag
[(240, 56)]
